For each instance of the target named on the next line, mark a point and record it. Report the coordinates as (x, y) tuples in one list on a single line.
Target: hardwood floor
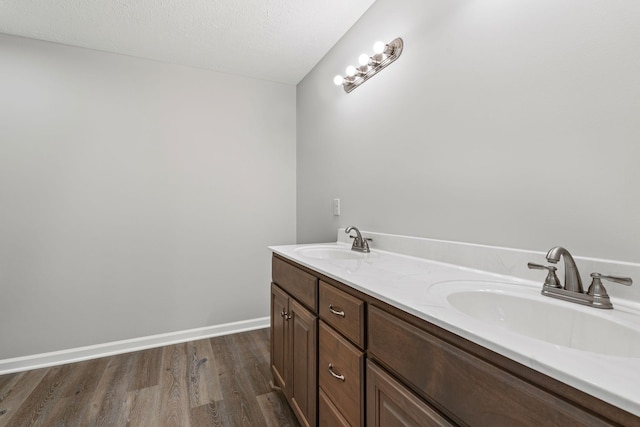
[(222, 381)]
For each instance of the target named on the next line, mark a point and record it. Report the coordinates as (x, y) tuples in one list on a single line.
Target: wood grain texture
[(303, 352), (279, 339), (204, 385), (222, 381), (15, 389), (241, 399), (78, 394), (391, 404), (298, 283), (144, 407), (554, 388), (351, 311), (213, 414), (275, 410), (328, 414), (110, 404), (146, 371), (469, 389), (37, 406), (346, 360), (174, 401)]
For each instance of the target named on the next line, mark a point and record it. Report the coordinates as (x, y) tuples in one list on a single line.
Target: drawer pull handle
[(340, 377), (286, 315), (336, 312)]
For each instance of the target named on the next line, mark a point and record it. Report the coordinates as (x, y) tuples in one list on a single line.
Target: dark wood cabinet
[(344, 312), (470, 390), (391, 404), (345, 358), (279, 338), (341, 374), (328, 414), (294, 339), (294, 354), (303, 353), (298, 283)]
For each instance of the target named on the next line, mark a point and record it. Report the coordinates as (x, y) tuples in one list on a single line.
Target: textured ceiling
[(277, 40)]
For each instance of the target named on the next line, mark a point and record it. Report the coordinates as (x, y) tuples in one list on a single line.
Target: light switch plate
[(336, 207)]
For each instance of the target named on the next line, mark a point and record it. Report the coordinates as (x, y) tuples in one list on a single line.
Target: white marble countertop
[(407, 283)]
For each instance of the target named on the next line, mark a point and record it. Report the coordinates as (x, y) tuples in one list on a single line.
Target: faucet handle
[(627, 281), (534, 266), (552, 280), (598, 292)]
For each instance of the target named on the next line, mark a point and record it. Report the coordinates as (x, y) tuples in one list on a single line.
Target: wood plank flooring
[(222, 381)]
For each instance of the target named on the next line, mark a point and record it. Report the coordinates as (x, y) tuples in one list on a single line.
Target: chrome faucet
[(596, 296), (360, 243), (572, 281)]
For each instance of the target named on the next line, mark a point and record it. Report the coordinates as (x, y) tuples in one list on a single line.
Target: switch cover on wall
[(336, 207)]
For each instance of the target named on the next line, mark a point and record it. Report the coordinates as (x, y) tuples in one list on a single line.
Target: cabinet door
[(279, 349), (303, 336), (390, 404)]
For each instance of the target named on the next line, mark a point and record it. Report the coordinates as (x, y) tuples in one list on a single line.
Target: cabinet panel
[(303, 352), (328, 414), (341, 374), (299, 284), (279, 309), (390, 404), (473, 391), (342, 311)]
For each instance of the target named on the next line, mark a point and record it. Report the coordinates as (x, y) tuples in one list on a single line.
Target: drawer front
[(341, 374), (473, 391), (389, 403), (328, 414), (342, 311), (299, 284)]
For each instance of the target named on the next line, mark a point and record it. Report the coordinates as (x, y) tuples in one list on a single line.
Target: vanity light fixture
[(383, 55)]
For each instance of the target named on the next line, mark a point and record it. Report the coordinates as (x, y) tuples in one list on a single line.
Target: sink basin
[(330, 252), (521, 309)]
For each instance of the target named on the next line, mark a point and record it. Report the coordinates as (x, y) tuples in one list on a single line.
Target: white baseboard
[(44, 360)]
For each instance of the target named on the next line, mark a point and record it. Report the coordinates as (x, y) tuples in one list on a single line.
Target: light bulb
[(338, 80), (351, 71), (379, 47), (363, 59)]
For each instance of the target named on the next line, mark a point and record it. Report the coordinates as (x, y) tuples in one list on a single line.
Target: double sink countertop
[(424, 288)]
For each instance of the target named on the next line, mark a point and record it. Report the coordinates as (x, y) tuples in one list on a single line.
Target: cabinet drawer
[(472, 390), (341, 374), (299, 284), (389, 403), (342, 311), (328, 414)]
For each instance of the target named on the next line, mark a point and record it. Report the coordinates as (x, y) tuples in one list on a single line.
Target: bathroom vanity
[(347, 352)]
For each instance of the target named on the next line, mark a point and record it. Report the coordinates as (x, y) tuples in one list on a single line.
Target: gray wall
[(504, 123), (136, 198)]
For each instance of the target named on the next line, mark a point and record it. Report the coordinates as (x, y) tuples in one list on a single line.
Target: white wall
[(136, 197), (508, 123)]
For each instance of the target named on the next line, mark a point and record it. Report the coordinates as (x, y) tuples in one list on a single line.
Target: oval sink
[(329, 252), (524, 311)]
